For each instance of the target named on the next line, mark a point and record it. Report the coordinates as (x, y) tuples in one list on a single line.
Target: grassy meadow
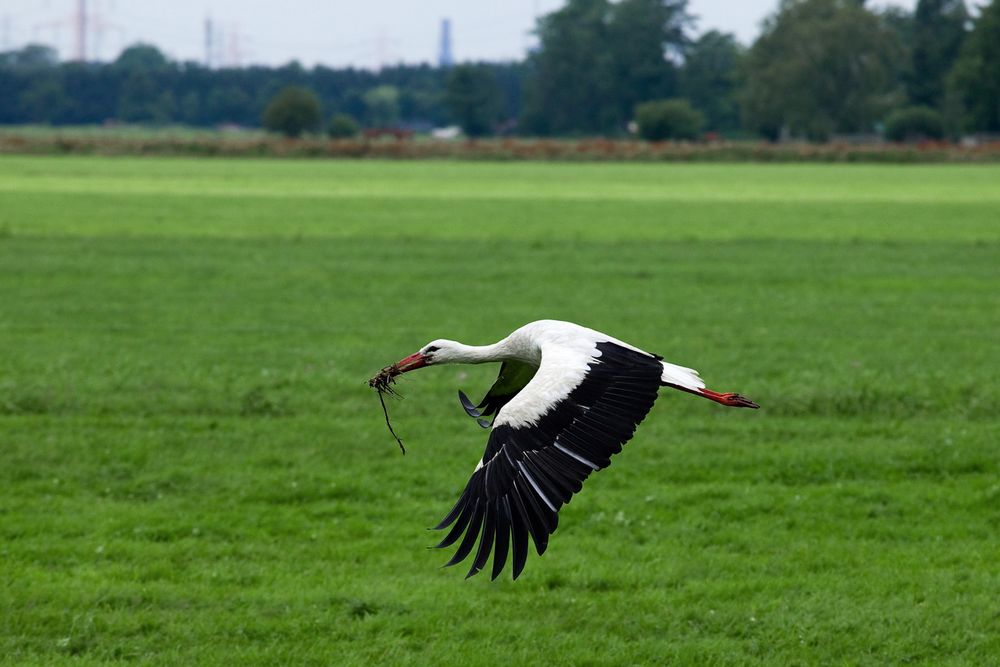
[(194, 471)]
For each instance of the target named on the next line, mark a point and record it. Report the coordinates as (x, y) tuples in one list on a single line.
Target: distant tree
[(229, 104), (137, 102), (710, 79), (975, 79), (190, 108), (510, 80), (90, 92), (342, 126), (420, 93), (900, 22), (819, 67), (938, 33), (473, 97), (571, 81), (43, 100), (382, 106), (142, 56), (668, 119), (292, 73), (32, 55), (597, 59), (293, 111), (914, 124), (352, 102), (142, 85), (647, 39)]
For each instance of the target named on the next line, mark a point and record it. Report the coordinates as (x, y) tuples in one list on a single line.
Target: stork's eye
[(432, 348)]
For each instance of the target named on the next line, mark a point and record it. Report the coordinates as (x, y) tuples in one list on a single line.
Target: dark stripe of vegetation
[(569, 150)]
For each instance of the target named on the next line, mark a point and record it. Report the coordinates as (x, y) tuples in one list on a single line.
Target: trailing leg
[(729, 399)]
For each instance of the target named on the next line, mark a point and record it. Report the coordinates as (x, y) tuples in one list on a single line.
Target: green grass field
[(193, 470)]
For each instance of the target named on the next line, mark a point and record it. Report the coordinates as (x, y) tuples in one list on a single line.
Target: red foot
[(730, 399)]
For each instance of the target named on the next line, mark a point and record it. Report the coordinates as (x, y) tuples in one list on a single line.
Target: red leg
[(730, 399)]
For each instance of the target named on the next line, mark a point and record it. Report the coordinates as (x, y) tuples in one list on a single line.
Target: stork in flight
[(567, 399)]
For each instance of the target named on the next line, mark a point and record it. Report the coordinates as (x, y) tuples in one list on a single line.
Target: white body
[(562, 351)]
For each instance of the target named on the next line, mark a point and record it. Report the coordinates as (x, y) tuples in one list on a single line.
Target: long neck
[(511, 348), (481, 354)]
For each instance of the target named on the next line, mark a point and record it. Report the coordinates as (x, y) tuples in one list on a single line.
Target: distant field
[(193, 471)]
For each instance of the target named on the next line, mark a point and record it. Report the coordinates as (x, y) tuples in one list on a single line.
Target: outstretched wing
[(544, 443)]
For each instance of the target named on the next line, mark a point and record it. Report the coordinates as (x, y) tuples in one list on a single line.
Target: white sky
[(363, 33)]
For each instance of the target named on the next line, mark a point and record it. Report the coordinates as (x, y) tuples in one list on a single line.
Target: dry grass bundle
[(382, 383)]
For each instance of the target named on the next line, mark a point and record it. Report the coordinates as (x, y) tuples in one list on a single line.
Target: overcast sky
[(365, 33)]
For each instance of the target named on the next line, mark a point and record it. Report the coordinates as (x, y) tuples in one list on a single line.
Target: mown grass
[(193, 470)]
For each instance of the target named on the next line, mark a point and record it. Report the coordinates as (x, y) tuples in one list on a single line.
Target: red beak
[(411, 363)]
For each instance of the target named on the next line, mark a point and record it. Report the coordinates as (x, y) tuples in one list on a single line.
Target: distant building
[(445, 58)]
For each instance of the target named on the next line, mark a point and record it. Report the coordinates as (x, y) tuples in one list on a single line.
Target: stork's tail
[(681, 377)]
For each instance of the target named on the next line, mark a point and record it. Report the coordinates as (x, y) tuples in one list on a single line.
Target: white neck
[(480, 354), (511, 348)]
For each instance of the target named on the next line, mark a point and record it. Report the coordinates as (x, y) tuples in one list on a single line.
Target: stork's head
[(441, 351)]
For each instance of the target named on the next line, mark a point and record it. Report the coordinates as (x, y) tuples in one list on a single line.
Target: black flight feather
[(501, 508)]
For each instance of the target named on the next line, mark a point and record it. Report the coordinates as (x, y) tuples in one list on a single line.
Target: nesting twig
[(382, 383)]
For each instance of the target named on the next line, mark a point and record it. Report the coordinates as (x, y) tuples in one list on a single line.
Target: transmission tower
[(445, 58), (86, 25)]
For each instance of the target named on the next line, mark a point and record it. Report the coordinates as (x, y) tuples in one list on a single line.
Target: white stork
[(567, 399)]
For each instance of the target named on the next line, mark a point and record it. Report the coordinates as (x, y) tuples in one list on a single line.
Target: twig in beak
[(382, 383)]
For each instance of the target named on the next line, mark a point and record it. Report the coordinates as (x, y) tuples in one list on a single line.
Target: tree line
[(819, 68)]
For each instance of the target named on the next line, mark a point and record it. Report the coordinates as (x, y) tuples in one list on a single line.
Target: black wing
[(530, 472)]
